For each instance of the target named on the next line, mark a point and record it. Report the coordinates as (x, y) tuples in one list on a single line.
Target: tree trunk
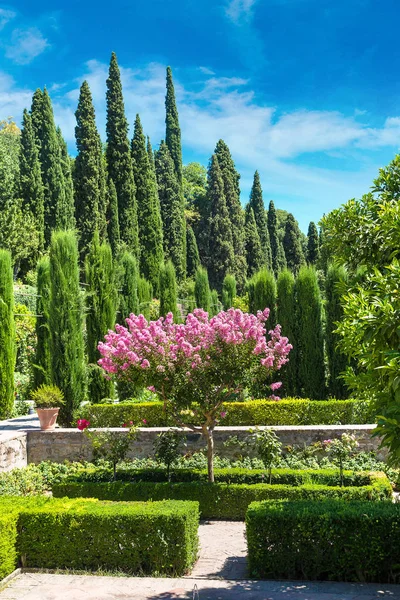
[(209, 433)]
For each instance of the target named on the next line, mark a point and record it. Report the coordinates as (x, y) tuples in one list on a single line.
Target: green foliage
[(9, 162), (202, 289), (311, 370), (42, 361), (286, 317), (7, 336), (312, 245), (215, 304), (168, 293), (113, 231), (268, 447), (192, 253), (67, 213), (8, 542), (173, 131), (101, 305), (145, 296), (66, 323), (129, 299), (228, 291), (263, 294), (341, 449), (336, 283), (257, 204), (254, 254), (292, 245), (48, 396), (324, 540), (277, 252), (119, 161), (148, 210), (111, 447), (168, 447)]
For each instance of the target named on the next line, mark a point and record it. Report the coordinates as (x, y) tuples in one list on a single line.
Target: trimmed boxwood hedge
[(8, 538), (327, 540), (252, 412), (223, 500), (138, 538)]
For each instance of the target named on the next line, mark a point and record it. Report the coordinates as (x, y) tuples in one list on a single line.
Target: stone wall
[(13, 452), (70, 444)]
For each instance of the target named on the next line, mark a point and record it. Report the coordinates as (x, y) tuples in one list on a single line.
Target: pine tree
[(150, 230), (7, 336), (128, 299), (277, 252), (119, 161), (286, 317), (168, 291), (311, 370), (336, 279), (66, 323), (145, 295), (228, 291), (192, 253), (292, 245), (262, 295), (254, 255), (230, 178), (257, 204), (202, 289), (42, 361), (30, 178), (173, 130), (221, 256), (66, 214), (312, 244), (173, 219), (113, 233), (101, 302), (88, 173)]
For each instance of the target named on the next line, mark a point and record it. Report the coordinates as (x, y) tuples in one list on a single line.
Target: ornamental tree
[(196, 366)]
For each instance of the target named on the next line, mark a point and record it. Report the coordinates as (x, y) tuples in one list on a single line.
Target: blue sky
[(305, 91)]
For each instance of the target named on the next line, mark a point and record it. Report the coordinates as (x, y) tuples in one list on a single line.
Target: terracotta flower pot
[(47, 418)]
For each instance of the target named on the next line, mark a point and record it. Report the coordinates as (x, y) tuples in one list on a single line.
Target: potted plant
[(48, 400)]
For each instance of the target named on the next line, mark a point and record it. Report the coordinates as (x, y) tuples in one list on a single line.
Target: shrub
[(8, 538), (168, 446), (269, 448), (48, 396), (345, 541)]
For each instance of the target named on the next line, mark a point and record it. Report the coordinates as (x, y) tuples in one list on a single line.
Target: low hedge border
[(252, 412), (222, 500), (328, 540), (155, 538)]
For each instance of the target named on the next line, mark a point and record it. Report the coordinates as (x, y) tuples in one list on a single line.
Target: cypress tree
[(150, 154), (286, 317), (292, 245), (173, 130), (128, 299), (336, 279), (228, 291), (277, 252), (7, 335), (202, 289), (257, 204), (215, 304), (192, 253), (312, 244), (89, 174), (173, 219), (150, 230), (101, 301), (66, 214), (262, 294), (221, 256), (66, 323), (230, 178), (36, 117), (119, 162), (145, 295), (311, 370), (255, 259), (42, 364), (168, 292), (30, 178), (113, 233)]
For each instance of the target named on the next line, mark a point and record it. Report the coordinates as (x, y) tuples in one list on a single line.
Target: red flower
[(82, 424), (144, 422)]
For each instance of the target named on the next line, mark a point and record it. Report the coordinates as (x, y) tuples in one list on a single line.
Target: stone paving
[(25, 422)]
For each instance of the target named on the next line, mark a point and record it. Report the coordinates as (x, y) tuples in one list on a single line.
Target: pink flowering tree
[(197, 366)]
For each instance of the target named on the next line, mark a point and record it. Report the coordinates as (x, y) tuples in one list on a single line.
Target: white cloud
[(240, 10), (206, 71), (26, 44), (6, 16), (13, 100)]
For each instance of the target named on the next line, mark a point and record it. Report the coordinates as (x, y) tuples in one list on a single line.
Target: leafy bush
[(252, 412), (8, 537), (48, 396), (345, 541), (167, 448)]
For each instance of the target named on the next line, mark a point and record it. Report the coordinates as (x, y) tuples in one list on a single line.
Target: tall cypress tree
[(292, 245), (336, 279), (36, 116), (215, 304), (119, 162), (42, 361), (277, 252), (150, 153), (192, 253), (202, 289), (66, 323), (254, 254), (30, 178), (173, 130), (262, 294), (7, 335), (312, 244), (257, 204), (88, 173), (228, 291), (101, 302), (145, 295), (310, 338), (113, 233), (128, 298), (230, 178), (221, 255), (173, 219), (286, 316), (168, 291), (150, 230), (66, 214)]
